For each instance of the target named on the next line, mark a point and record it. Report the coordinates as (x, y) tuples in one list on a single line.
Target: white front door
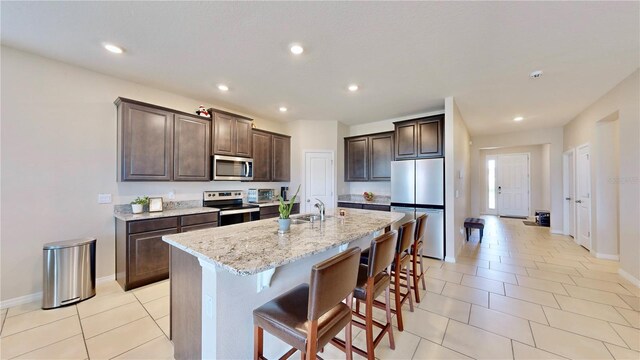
[(583, 196), (318, 180), (569, 168), (513, 185)]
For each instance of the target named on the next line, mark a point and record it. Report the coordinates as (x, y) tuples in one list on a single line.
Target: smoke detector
[(536, 74)]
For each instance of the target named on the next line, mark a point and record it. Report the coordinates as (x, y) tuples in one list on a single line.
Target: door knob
[(568, 198), (308, 200), (579, 201)]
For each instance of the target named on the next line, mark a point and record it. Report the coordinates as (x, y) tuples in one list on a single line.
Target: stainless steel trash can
[(69, 272)]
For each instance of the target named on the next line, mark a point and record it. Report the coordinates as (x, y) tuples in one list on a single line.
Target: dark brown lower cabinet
[(271, 211), (364, 206), (141, 256)]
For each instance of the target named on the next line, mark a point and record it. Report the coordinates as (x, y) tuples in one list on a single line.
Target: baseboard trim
[(632, 279), (557, 232), (450, 259), (25, 299), (607, 256)]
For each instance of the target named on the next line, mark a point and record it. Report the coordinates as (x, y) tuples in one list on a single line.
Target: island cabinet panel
[(419, 138), (148, 257), (186, 305), (356, 159), (145, 143), (262, 158), (191, 156), (224, 127), (349, 205), (381, 156), (376, 207), (281, 154), (141, 256)]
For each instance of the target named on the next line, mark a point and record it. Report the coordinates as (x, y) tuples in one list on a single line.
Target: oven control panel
[(223, 195)]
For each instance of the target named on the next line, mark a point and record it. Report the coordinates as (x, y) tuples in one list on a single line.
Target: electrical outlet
[(461, 231), (171, 195), (104, 198)]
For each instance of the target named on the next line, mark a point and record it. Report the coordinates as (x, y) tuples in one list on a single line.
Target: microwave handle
[(246, 169)]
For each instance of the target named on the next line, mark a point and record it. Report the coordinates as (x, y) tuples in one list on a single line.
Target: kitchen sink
[(306, 218)]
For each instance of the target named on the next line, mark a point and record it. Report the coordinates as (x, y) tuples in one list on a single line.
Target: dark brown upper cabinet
[(231, 135), (380, 156), (356, 158), (419, 138), (160, 144), (262, 160), (368, 157), (192, 138), (281, 155), (146, 143)]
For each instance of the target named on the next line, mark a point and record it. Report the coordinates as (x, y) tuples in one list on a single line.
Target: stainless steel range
[(232, 210)]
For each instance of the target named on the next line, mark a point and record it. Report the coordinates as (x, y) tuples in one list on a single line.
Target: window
[(491, 184)]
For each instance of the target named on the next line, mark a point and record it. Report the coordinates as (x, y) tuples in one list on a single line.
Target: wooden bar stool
[(373, 279), (416, 252), (309, 316), (401, 262)]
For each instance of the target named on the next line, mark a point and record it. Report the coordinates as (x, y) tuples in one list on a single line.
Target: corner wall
[(457, 175), (58, 149), (621, 102)]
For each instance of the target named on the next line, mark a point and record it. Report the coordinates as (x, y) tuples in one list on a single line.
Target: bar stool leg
[(424, 286), (409, 287), (257, 343), (387, 300), (312, 340), (369, 321), (414, 263), (347, 333), (398, 297)]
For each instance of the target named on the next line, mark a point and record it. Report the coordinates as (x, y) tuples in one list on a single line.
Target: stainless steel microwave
[(232, 168)]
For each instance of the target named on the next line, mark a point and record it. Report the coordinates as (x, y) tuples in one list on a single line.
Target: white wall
[(621, 102), (457, 175), (58, 151), (551, 136), (538, 180)]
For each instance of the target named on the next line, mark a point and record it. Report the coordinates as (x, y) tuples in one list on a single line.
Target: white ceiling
[(406, 56)]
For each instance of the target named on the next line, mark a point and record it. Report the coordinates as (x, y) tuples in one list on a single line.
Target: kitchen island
[(218, 276)]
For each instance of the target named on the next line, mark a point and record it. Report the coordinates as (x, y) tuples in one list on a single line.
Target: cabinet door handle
[(578, 201)]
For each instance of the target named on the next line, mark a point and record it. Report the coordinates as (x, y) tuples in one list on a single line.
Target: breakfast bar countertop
[(253, 247)]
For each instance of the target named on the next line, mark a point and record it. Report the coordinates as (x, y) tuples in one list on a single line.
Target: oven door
[(230, 217), (232, 168)]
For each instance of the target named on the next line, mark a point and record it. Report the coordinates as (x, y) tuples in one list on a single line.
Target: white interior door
[(569, 168), (583, 196), (513, 185), (318, 179)]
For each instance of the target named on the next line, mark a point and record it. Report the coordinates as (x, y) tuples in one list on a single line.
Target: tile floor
[(521, 294)]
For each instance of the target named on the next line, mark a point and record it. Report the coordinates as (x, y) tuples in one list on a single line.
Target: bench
[(474, 223)]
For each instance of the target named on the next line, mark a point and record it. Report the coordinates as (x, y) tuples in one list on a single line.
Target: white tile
[(513, 269), (449, 276), (111, 319), (520, 308), (428, 350), (159, 307), (99, 304), (465, 293), (446, 306), (558, 268), (433, 285), (632, 317), (550, 275), (41, 336), (590, 308), (24, 308), (497, 275), (633, 302), (532, 295), (122, 339), (502, 324), (600, 285), (158, 348), (153, 291), (476, 343), (526, 352), (622, 353), (164, 324), (539, 284), (32, 319), (630, 336), (582, 325), (71, 348), (406, 344), (425, 324), (603, 297), (461, 268), (568, 344), (483, 284)]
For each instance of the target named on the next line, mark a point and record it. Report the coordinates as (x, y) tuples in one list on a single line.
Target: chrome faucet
[(320, 206)]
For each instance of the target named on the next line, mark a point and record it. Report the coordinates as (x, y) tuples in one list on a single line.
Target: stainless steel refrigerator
[(417, 187)]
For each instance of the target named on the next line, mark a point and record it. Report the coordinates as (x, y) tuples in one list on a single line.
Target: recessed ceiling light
[(223, 87), (296, 49), (353, 87), (536, 74), (283, 109), (518, 118), (113, 48)]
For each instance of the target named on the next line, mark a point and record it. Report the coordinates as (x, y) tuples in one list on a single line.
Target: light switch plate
[(104, 198)]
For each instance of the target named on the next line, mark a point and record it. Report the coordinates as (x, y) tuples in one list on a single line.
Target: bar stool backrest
[(421, 227), (382, 252), (332, 281), (406, 233)]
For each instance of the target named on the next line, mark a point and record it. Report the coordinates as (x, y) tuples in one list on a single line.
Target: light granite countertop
[(253, 247), (359, 199), (163, 214)]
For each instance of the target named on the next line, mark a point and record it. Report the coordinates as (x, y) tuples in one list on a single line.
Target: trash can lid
[(68, 243)]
